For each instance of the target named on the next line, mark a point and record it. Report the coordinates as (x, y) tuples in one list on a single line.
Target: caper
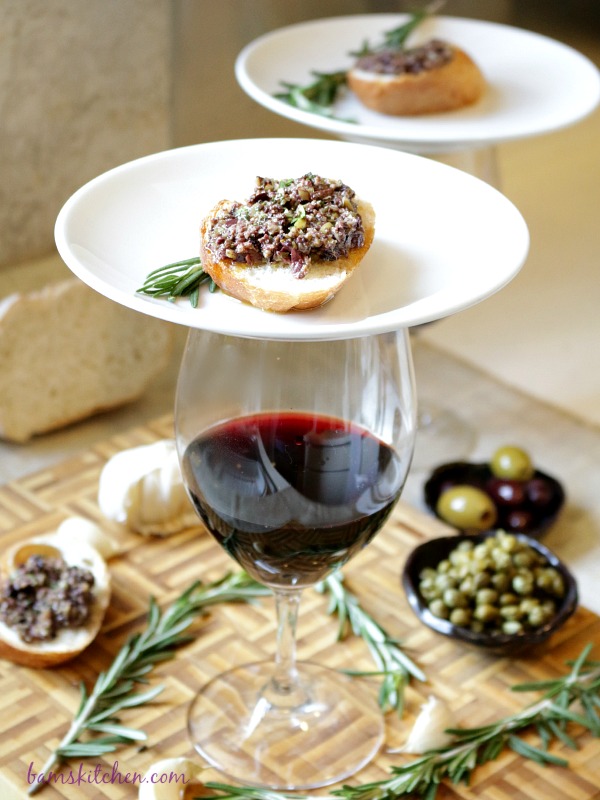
[(498, 585), (460, 617), (512, 626), (485, 612), (508, 541), (445, 581), (484, 596), (501, 581), (480, 552), (523, 584), (501, 558), (524, 558), (511, 612), (508, 599), (512, 462), (467, 508), (453, 598), (537, 616), (528, 603), (439, 608)]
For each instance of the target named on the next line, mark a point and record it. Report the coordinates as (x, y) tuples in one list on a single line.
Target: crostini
[(292, 244), (431, 78), (54, 592)]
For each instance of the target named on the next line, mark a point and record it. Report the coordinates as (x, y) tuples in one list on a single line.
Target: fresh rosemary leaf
[(396, 38), (179, 279), (393, 665), (422, 776), (318, 96), (114, 690), (526, 750), (119, 730)]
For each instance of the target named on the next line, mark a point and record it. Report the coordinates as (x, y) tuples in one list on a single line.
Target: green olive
[(467, 508), (512, 463)]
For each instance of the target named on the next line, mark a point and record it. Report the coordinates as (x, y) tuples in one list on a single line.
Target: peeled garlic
[(429, 729), (142, 488), (167, 779)]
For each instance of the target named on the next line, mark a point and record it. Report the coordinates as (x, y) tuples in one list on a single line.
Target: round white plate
[(535, 84), (443, 241)]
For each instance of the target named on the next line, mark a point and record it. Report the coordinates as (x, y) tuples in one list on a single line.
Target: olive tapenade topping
[(44, 595), (431, 55), (289, 222)]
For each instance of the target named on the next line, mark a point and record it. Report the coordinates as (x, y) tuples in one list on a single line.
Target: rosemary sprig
[(318, 96), (115, 689), (393, 664), (396, 38), (179, 279), (474, 746), (422, 776)]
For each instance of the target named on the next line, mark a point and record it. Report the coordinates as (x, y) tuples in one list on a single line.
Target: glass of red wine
[(294, 454)]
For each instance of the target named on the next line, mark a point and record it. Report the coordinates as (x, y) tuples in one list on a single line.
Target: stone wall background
[(84, 86)]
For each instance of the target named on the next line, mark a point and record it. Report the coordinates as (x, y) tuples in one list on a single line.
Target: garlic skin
[(178, 769), (429, 729), (142, 488)]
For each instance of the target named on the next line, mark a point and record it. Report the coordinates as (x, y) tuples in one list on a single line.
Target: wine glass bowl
[(294, 454)]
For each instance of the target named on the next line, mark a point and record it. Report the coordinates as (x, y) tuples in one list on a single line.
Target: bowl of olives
[(497, 591), (508, 493)]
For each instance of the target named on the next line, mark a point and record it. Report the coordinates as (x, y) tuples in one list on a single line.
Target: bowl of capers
[(498, 591), (507, 492)]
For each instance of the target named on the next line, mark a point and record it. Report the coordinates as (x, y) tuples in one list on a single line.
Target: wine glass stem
[(285, 682)]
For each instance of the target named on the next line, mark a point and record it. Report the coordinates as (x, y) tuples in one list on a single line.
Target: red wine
[(291, 496)]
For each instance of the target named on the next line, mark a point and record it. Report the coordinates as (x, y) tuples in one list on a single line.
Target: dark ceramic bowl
[(431, 552), (531, 518)]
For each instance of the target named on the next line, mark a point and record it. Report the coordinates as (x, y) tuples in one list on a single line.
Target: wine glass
[(443, 434), (294, 454)]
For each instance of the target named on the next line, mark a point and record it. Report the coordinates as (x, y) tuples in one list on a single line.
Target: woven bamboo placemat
[(36, 706)]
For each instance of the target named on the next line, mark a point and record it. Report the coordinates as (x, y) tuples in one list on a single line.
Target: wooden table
[(38, 705)]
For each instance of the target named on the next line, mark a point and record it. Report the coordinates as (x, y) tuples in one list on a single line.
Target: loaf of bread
[(290, 259), (433, 78), (66, 353)]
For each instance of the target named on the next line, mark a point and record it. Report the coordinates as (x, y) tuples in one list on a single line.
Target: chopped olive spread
[(44, 595), (431, 55), (289, 222)]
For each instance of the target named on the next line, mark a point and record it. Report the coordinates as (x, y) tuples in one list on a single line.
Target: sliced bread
[(66, 353)]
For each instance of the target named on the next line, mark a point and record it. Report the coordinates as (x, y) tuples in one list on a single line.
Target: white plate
[(444, 240), (535, 84)]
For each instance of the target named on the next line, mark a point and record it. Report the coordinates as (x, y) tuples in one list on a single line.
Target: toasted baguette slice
[(273, 287), (66, 353), (69, 642), (453, 85)]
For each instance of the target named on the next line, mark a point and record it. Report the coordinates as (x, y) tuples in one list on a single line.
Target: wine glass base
[(320, 734)]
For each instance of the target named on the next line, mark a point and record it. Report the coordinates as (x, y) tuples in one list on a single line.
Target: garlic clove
[(142, 488), (429, 729), (167, 779), (79, 529)]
